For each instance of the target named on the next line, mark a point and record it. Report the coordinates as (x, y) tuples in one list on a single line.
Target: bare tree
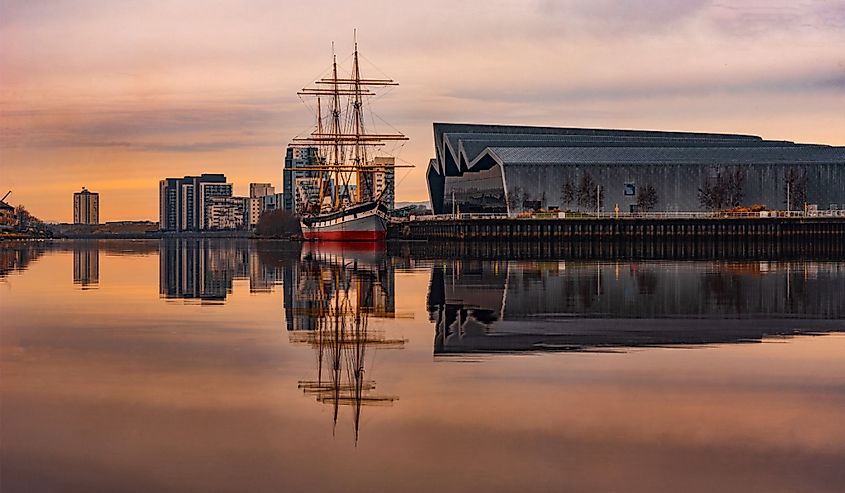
[(647, 198), (515, 199), (567, 193), (589, 196), (795, 189), (277, 223), (711, 195), (726, 190), (24, 217), (736, 187)]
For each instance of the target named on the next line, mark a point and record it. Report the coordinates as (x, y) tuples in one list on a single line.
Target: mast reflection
[(328, 306)]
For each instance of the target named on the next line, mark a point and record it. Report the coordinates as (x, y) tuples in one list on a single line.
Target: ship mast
[(348, 154), (319, 152), (360, 150), (335, 129)]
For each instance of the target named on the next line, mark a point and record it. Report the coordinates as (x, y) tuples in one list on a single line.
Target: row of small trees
[(728, 190), (587, 194), (724, 191)]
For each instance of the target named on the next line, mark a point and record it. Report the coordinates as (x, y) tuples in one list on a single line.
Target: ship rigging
[(346, 156), (340, 293)]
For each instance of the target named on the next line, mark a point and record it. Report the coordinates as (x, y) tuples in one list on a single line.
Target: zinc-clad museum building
[(510, 169)]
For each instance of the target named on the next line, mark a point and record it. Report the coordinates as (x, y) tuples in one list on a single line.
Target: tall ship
[(349, 202)]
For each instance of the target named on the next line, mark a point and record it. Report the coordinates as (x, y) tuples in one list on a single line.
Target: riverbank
[(474, 228), (129, 235), (470, 228)]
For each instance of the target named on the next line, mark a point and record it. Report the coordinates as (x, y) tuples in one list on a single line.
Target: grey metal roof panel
[(473, 147), (670, 155), (440, 128), (467, 147), (445, 128), (587, 139), (462, 147), (468, 150)]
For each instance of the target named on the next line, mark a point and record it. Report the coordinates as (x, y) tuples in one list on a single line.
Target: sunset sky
[(116, 95)]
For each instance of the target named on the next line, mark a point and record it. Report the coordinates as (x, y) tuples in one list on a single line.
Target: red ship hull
[(363, 222), (345, 235)]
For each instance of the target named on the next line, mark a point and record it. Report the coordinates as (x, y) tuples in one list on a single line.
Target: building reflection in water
[(17, 257), (493, 306), (204, 270), (86, 264), (330, 297)]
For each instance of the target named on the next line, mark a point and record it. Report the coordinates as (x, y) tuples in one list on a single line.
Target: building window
[(630, 189)]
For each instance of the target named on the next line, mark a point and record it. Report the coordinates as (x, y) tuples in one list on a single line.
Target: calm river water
[(234, 366)]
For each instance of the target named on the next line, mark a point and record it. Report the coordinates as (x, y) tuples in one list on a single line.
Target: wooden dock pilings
[(620, 229), (636, 249)]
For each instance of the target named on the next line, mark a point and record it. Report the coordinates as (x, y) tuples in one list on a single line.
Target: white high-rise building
[(384, 180), (208, 192), (184, 201), (257, 196), (260, 190), (226, 213)]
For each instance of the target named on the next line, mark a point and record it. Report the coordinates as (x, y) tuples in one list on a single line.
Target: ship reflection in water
[(329, 300), (496, 306)]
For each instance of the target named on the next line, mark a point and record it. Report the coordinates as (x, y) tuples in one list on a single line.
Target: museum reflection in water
[(500, 306)]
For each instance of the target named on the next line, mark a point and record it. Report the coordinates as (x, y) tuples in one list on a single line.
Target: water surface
[(218, 365)]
